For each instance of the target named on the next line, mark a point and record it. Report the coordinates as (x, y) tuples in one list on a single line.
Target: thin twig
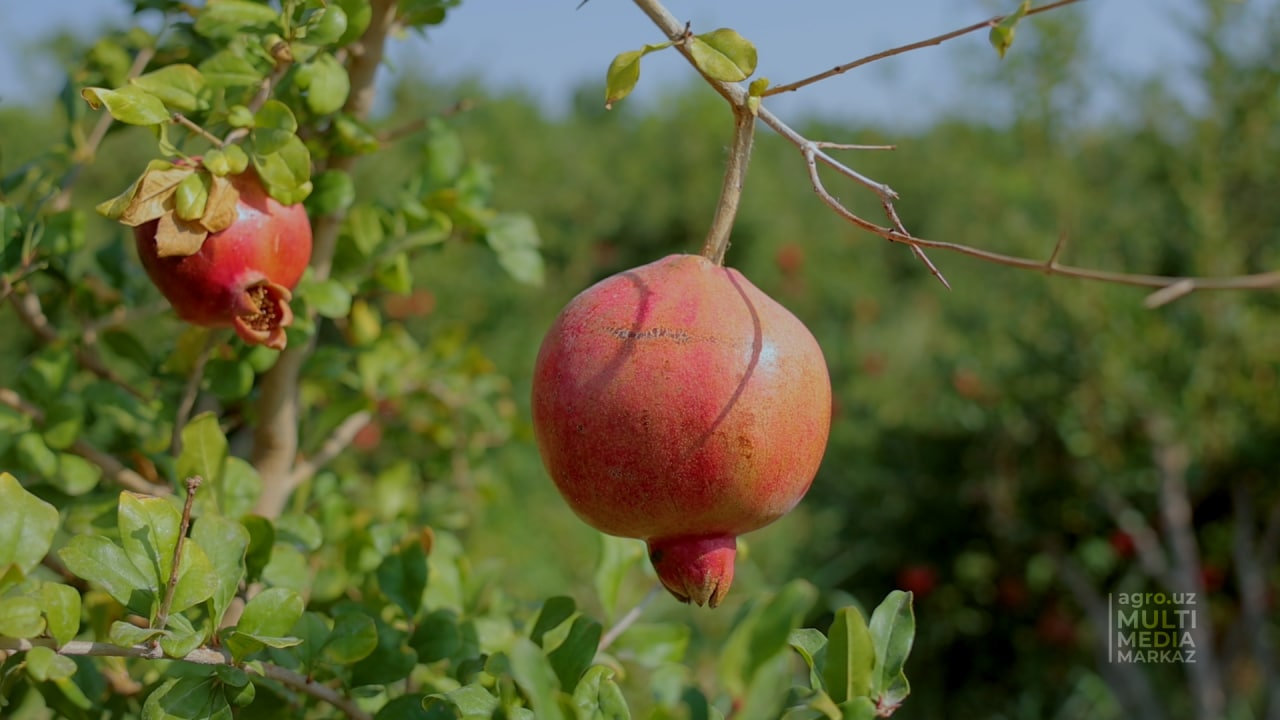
[(190, 392), (735, 173), (284, 60), (338, 441), (628, 619), (186, 122), (852, 146), (110, 466), (162, 615), (937, 40), (1256, 281), (199, 656)]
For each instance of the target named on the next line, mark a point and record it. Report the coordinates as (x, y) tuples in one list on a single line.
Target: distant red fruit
[(918, 579), (1122, 543)]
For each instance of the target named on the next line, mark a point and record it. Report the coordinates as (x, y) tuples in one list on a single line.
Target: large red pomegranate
[(678, 403), (243, 275)]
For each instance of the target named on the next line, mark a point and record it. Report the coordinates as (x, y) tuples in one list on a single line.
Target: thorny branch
[(1167, 288)]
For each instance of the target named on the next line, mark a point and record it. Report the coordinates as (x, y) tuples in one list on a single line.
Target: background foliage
[(1011, 451)]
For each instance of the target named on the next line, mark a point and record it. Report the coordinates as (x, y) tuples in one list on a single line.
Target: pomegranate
[(242, 275), (677, 403)]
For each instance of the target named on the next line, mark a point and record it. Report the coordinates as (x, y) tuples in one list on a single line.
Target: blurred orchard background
[(1013, 451)]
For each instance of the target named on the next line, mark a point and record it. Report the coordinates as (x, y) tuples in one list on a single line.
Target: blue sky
[(548, 47)]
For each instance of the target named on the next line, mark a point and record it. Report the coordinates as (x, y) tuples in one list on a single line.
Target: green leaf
[(514, 237), (723, 55), (186, 698), (402, 577), (27, 526), (893, 629), (149, 534), (312, 630), (332, 192), (391, 661), (76, 476), (359, 14), (20, 617), (555, 610), (285, 173), (271, 613), (652, 645), (228, 69), (598, 696), (224, 542), (197, 579), (470, 701), (325, 83), (766, 695), (850, 656), (127, 634), (273, 125), (300, 530), (180, 87), (204, 450), (239, 489), (407, 707), (181, 637), (763, 633), (191, 196), (533, 673), (130, 105), (617, 557), (326, 25), (330, 298), (1002, 33), (33, 454), (437, 636), (364, 226), (45, 664), (230, 379), (353, 638), (622, 76), (573, 656), (625, 72), (61, 607), (812, 646), (262, 540), (224, 19), (101, 561), (443, 154)]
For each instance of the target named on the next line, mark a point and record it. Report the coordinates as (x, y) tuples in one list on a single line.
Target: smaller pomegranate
[(679, 404), (241, 275)]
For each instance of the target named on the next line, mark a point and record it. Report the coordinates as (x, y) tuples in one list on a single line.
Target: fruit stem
[(735, 173)]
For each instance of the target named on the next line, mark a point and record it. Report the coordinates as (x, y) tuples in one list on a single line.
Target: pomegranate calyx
[(262, 313), (696, 570)]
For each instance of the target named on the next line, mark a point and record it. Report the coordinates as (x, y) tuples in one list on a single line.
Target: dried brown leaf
[(220, 211), (177, 237), (152, 198)]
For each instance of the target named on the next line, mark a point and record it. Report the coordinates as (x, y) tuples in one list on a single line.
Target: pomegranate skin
[(241, 276), (677, 403)]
